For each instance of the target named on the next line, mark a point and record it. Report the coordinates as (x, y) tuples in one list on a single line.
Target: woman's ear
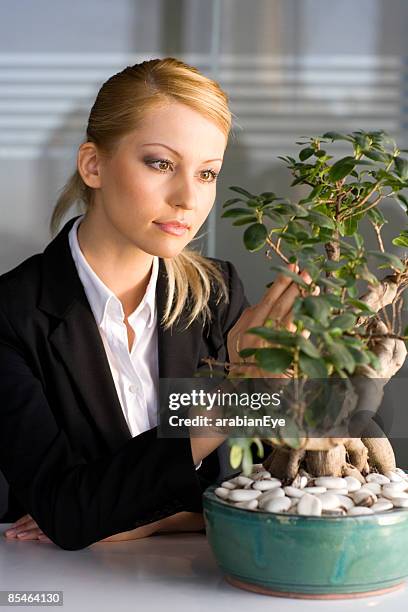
[(88, 163)]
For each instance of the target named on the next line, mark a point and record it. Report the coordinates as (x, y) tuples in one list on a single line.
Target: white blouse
[(135, 373)]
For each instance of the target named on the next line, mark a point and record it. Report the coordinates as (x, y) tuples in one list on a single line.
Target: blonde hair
[(119, 108)]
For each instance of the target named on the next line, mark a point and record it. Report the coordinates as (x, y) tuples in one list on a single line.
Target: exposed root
[(326, 463), (357, 453), (350, 470), (284, 463)]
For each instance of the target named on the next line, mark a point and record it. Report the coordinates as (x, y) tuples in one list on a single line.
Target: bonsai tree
[(350, 327)]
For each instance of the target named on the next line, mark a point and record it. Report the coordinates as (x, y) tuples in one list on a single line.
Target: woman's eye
[(160, 162), (211, 174)]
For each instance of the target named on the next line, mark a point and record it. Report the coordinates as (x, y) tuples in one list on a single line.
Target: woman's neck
[(122, 267)]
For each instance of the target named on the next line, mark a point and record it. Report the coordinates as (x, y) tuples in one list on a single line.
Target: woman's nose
[(184, 195)]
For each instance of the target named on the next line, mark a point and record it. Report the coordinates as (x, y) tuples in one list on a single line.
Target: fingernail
[(22, 534), (10, 532)]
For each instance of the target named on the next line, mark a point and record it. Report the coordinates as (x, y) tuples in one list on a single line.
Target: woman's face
[(144, 187)]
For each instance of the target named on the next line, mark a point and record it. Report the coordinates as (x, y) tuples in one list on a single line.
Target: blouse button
[(133, 388)]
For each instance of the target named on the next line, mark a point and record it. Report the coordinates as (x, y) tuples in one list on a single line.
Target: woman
[(115, 302)]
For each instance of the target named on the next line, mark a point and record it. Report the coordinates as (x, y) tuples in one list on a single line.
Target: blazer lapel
[(77, 340)]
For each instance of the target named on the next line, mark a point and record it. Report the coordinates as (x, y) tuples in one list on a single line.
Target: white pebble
[(273, 494), (329, 500), (309, 505), (279, 504), (393, 476), (379, 478), (364, 498), (257, 467), (345, 501), (241, 481), (266, 485), (252, 504), (315, 490), (400, 502), (372, 486), (299, 482), (356, 510), (340, 491), (227, 484), (222, 493), (352, 484), (241, 495), (262, 476), (293, 491), (394, 489), (331, 482), (382, 505)]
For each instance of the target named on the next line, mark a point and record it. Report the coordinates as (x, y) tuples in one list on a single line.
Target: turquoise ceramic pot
[(303, 556)]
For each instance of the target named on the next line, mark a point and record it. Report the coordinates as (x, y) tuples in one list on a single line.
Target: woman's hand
[(26, 529), (276, 304)]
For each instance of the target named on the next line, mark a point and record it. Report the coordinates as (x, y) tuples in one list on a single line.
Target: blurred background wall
[(291, 68)]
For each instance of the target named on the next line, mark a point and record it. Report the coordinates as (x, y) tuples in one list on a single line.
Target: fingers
[(274, 292), (25, 528), (278, 308), (24, 519)]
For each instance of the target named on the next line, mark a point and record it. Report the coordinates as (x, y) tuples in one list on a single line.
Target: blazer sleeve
[(75, 502)]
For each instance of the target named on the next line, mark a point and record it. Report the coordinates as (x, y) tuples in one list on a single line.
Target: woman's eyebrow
[(176, 152)]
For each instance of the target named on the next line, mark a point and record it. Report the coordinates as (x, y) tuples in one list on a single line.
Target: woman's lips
[(175, 230)]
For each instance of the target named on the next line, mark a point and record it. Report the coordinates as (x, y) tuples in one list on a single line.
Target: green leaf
[(255, 237), (259, 446), (275, 360), (295, 209), (278, 336), (306, 153), (401, 241), (313, 368), (361, 305), (343, 321), (295, 277), (307, 347), (236, 454), (245, 220), (247, 352), (235, 212), (242, 191), (341, 357), (350, 226), (336, 136), (341, 168), (231, 201), (389, 259), (403, 201), (316, 307), (401, 168), (320, 219), (377, 156), (377, 217), (247, 461), (359, 356)]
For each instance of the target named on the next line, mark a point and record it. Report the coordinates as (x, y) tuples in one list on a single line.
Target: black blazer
[(65, 448)]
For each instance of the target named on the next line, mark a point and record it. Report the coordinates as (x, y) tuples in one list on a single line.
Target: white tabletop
[(166, 573)]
